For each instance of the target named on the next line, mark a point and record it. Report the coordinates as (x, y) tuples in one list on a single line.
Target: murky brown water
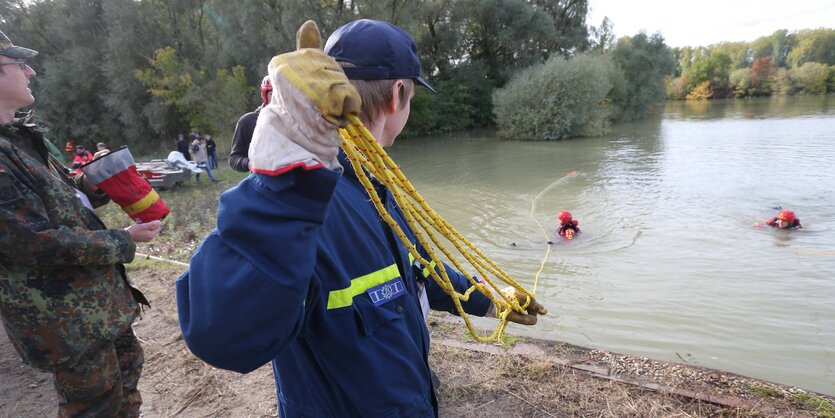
[(668, 264)]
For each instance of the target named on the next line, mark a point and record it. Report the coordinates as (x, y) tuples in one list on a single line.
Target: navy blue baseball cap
[(379, 51)]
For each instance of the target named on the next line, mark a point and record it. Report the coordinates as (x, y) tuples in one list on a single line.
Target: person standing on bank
[(301, 270), (82, 156), (211, 149), (239, 157), (101, 150), (65, 299), (183, 147), (201, 157)]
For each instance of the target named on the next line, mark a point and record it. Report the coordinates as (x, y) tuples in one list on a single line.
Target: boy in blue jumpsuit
[(301, 269)]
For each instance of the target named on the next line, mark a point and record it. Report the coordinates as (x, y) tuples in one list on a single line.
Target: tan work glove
[(533, 308), (311, 98)]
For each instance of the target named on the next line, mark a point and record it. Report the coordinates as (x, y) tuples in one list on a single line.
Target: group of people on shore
[(201, 149)]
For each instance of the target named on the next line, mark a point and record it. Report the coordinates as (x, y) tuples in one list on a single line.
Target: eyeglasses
[(21, 64)]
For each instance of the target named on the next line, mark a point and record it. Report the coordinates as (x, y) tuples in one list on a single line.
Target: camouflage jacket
[(63, 289)]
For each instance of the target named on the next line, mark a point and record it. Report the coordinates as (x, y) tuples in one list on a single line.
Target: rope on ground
[(367, 157), (153, 257)]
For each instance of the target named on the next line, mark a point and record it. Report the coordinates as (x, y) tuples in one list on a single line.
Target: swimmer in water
[(569, 227), (784, 220)]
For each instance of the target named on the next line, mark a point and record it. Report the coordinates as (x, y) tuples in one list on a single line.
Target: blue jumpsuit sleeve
[(244, 297), (440, 301)]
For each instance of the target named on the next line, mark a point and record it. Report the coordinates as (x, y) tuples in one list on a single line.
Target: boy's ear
[(397, 89)]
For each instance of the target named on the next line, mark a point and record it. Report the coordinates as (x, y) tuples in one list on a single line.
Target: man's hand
[(533, 308), (311, 98), (89, 184), (144, 232)]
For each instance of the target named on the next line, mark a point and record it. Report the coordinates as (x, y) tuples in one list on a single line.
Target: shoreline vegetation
[(523, 378)]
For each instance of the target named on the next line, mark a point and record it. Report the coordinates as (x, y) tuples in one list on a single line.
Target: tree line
[(138, 72), (783, 63)]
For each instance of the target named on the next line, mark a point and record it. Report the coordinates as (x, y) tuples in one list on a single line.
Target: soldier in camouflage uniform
[(64, 297)]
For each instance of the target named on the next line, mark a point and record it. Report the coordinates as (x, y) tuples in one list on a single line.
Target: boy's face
[(397, 119), (782, 223)]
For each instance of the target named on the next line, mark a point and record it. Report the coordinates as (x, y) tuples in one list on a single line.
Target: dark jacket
[(301, 271), (63, 289), (183, 147), (794, 225), (574, 224), (239, 157)]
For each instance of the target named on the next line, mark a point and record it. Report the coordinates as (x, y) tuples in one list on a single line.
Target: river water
[(668, 264)]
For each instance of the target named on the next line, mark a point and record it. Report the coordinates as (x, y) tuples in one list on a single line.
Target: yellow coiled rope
[(366, 154)]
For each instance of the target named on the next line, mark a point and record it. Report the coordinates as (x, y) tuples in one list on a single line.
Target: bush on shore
[(558, 99)]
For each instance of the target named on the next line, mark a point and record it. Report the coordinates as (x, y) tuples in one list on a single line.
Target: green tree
[(645, 62), (507, 35), (558, 99), (810, 78), (740, 80), (71, 70), (439, 41), (602, 37), (713, 66), (782, 85), (569, 20), (210, 104), (777, 46), (738, 52), (677, 87), (815, 45), (125, 97)]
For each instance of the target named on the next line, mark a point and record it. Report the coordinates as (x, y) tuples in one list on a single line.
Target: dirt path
[(24, 391), (533, 378)]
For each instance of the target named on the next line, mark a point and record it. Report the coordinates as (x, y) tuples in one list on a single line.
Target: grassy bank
[(522, 378)]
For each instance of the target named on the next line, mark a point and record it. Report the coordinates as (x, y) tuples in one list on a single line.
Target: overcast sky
[(705, 22)]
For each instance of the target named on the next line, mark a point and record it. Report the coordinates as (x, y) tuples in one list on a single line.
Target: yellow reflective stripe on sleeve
[(345, 297), (425, 271), (141, 204)]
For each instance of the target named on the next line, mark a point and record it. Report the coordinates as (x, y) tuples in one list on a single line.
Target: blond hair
[(376, 94)]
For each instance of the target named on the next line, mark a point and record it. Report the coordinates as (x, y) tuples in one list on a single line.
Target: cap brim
[(423, 83), (19, 52)]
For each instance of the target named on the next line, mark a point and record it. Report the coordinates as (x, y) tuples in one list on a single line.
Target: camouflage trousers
[(103, 382)]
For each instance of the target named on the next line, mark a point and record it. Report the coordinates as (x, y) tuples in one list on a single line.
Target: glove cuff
[(288, 137)]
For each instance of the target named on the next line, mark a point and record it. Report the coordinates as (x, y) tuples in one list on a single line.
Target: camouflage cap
[(10, 50)]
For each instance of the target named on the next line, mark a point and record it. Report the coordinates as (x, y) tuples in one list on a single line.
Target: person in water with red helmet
[(784, 220), (568, 227)]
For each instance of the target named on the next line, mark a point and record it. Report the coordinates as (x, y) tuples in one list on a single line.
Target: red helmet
[(786, 215), (266, 88), (564, 216)]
